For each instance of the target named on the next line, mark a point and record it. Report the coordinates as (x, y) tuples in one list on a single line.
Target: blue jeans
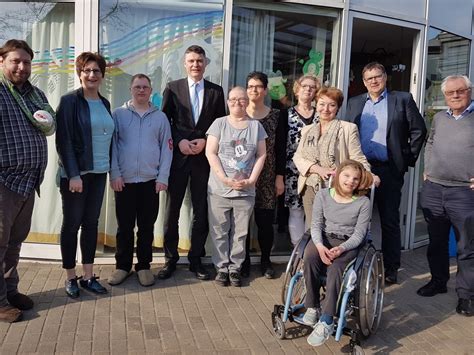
[(81, 210)]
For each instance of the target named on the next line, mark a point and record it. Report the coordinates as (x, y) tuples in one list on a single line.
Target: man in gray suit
[(392, 133)]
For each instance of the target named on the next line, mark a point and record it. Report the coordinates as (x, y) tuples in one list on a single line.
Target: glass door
[(397, 45), (284, 40), (447, 54), (48, 27)]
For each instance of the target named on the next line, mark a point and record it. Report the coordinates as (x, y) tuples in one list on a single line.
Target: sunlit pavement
[(184, 315)]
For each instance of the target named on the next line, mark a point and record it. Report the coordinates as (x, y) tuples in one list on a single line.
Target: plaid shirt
[(23, 148)]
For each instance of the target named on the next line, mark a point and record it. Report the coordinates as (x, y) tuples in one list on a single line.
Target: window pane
[(150, 37), (448, 54), (285, 42), (48, 28)]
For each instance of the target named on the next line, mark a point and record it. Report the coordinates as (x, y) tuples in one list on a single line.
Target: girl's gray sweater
[(350, 219)]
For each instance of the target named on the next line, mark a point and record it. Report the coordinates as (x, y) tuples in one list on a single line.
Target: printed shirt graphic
[(237, 153)]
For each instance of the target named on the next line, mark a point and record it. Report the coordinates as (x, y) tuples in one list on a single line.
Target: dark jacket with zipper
[(74, 134)]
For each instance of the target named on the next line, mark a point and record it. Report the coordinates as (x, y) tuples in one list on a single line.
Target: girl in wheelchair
[(341, 216)]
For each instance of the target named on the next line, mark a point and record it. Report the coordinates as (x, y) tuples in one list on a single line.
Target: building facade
[(419, 42)]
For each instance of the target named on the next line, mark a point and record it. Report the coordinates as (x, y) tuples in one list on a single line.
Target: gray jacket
[(142, 147)]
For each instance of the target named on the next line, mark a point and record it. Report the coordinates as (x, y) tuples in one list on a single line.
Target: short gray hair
[(455, 77)]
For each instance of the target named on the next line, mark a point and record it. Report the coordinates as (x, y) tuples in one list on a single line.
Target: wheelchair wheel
[(369, 292), (279, 327), (295, 264)]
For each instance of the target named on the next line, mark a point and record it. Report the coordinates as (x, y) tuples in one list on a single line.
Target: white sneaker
[(311, 316), (320, 334)]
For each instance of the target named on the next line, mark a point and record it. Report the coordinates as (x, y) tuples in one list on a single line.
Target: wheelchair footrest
[(354, 334)]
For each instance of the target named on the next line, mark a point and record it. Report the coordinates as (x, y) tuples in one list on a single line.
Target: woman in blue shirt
[(83, 137)]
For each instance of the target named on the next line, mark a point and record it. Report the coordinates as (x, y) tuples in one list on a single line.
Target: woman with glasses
[(236, 152), (299, 116), (83, 137), (270, 183)]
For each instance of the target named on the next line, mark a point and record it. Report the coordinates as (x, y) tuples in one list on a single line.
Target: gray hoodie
[(142, 147)]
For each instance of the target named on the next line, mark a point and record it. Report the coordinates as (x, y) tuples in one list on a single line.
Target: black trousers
[(313, 270), (264, 221), (198, 178), (81, 210), (136, 204), (443, 207), (387, 197)]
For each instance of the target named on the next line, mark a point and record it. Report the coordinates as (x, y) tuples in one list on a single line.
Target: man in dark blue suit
[(392, 133), (191, 105)]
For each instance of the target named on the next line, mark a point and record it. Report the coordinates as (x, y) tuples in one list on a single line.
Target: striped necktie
[(195, 102)]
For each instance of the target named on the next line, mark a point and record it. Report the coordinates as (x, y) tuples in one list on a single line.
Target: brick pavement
[(185, 316)]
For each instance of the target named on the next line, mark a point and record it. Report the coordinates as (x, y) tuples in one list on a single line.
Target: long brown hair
[(366, 179)]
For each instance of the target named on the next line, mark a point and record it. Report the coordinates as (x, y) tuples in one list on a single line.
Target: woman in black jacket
[(84, 132)]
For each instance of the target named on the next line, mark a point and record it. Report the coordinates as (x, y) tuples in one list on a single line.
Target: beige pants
[(308, 195)]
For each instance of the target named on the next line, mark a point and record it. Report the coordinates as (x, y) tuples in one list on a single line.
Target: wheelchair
[(360, 297)]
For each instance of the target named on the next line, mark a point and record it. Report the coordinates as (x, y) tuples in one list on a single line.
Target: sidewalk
[(185, 316)]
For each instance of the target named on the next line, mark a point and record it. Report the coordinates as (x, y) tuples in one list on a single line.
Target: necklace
[(102, 112), (302, 109)]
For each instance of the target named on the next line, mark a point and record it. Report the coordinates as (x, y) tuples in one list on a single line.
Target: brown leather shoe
[(10, 314), (20, 301)]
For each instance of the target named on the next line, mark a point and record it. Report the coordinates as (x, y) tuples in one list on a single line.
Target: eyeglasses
[(457, 92), (138, 87), (95, 72), (233, 101), (309, 87), (375, 77), (251, 87)]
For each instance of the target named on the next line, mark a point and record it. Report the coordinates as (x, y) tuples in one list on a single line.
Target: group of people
[(236, 165)]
